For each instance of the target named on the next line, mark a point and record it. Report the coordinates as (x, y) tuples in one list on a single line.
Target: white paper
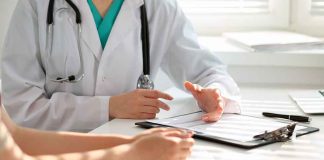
[(183, 103), (231, 126), (271, 41), (310, 101)]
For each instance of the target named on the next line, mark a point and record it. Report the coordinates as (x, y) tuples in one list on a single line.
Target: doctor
[(75, 66)]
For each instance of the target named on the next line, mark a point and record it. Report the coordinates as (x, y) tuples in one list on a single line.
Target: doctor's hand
[(138, 104), (209, 100)]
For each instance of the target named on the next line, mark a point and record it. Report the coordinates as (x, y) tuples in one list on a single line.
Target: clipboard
[(247, 144)]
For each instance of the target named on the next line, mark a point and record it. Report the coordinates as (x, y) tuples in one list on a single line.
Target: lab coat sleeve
[(23, 83), (187, 60)]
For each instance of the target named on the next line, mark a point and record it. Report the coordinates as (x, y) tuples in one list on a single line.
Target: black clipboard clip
[(282, 134)]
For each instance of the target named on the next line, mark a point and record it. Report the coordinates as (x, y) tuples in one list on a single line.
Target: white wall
[(6, 9)]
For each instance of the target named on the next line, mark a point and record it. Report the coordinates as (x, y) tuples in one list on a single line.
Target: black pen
[(296, 118)]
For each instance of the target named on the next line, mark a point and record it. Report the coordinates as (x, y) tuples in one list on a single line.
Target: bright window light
[(308, 17), (317, 7), (224, 6), (214, 17)]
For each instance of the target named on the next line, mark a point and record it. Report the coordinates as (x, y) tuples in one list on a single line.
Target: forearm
[(52, 143), (115, 153), (39, 143), (8, 148), (12, 152)]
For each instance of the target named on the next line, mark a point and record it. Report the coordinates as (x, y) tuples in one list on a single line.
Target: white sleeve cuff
[(104, 108), (232, 106)]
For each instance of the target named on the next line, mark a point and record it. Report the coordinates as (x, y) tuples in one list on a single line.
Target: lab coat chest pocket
[(63, 58)]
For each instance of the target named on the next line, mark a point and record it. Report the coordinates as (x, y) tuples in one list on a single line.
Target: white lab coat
[(34, 101)]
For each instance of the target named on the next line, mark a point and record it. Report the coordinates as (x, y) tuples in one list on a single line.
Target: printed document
[(230, 126)]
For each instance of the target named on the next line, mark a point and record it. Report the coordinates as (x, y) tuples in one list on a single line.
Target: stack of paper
[(274, 41), (310, 101)]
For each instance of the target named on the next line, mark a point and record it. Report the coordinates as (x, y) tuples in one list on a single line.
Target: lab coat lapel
[(89, 33), (124, 24)]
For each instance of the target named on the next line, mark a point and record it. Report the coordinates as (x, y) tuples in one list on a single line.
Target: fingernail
[(205, 118), (184, 132), (190, 133), (216, 119), (187, 133)]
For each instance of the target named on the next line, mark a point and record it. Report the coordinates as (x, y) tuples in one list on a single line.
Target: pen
[(296, 118)]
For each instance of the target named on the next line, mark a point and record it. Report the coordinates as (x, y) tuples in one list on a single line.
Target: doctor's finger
[(156, 103), (147, 116), (213, 116), (156, 94), (150, 109)]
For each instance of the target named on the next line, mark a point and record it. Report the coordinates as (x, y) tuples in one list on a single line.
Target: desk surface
[(254, 101)]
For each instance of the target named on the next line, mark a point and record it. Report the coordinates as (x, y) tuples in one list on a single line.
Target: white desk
[(255, 101)]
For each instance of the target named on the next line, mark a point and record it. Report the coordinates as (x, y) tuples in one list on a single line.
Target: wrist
[(120, 152), (16, 131), (128, 139)]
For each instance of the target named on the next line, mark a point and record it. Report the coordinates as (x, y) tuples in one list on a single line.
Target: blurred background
[(231, 28)]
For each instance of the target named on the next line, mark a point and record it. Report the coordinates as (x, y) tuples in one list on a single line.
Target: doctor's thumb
[(212, 116)]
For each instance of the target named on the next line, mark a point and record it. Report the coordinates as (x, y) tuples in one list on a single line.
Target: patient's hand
[(169, 144), (185, 134), (209, 100)]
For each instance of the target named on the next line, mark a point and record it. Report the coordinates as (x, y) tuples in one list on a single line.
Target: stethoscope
[(144, 81)]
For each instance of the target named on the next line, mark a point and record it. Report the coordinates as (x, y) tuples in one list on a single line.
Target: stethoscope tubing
[(50, 24), (144, 79), (145, 41), (50, 12)]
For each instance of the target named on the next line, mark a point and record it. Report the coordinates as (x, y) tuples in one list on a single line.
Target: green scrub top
[(105, 24)]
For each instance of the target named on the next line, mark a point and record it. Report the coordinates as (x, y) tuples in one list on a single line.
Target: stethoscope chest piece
[(145, 82)]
